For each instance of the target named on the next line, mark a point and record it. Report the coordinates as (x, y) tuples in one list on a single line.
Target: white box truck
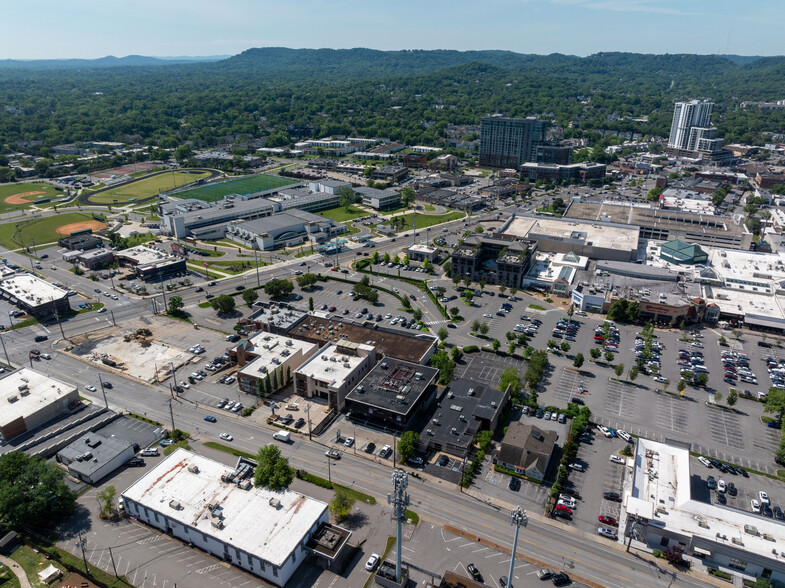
[(284, 436)]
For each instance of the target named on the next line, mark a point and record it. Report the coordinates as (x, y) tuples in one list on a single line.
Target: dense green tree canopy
[(32, 491)]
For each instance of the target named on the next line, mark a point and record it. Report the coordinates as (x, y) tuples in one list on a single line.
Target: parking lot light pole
[(517, 518), (7, 361)]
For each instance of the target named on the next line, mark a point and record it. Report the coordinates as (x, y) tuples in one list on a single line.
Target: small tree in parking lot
[(681, 386), (619, 369), (578, 361), (608, 356), (595, 353), (733, 396)]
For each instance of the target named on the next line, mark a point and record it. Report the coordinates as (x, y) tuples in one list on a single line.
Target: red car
[(331, 309), (563, 508), (608, 520)]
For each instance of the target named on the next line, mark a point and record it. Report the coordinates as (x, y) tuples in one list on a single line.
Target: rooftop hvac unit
[(22, 387), (274, 502), (175, 505), (193, 468), (218, 524)]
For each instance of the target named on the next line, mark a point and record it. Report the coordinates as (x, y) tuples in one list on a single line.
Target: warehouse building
[(333, 371), (93, 457), (35, 296), (394, 394), (217, 509), (31, 399), (80, 240)]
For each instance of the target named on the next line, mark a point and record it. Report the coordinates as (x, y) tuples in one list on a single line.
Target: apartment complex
[(509, 142)]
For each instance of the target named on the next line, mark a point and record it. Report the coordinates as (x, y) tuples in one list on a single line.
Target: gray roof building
[(394, 393), (94, 456)]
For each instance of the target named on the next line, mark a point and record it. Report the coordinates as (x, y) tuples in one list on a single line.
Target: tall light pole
[(517, 518), (101, 382), (400, 501), (256, 259)]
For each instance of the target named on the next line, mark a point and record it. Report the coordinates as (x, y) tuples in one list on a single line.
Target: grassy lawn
[(429, 207), (428, 220), (341, 214), (236, 267), (201, 270), (230, 243), (8, 190), (8, 579), (32, 563), (208, 252), (146, 188), (42, 230)]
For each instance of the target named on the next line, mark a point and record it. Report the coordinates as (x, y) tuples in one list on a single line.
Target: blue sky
[(36, 29)]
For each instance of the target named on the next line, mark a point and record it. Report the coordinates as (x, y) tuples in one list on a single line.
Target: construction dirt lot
[(147, 347)]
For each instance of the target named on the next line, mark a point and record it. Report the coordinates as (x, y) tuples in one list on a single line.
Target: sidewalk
[(17, 570)]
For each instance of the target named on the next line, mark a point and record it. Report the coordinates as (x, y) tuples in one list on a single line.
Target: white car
[(226, 437), (102, 309), (230, 380), (487, 315), (89, 387), (567, 503), (754, 505), (624, 435), (764, 498), (661, 379), (605, 431), (721, 486), (617, 459), (349, 441), (372, 561), (185, 385), (696, 344), (705, 461)]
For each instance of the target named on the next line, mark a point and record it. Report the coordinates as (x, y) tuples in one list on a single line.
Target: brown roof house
[(528, 450)]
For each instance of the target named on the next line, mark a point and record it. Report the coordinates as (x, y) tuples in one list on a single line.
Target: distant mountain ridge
[(103, 62)]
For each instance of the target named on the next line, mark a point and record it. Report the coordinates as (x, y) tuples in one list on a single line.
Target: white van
[(283, 436)]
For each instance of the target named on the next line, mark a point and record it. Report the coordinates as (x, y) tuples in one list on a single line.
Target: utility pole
[(399, 499), (7, 361), (174, 377), (308, 413), (517, 518), (84, 557), (100, 381), (171, 413), (111, 312), (329, 474), (57, 316), (256, 260), (111, 555)]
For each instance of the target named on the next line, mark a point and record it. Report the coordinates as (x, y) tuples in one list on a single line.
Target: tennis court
[(241, 186)]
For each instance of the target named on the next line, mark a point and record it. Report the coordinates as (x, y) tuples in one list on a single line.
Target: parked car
[(607, 520), (609, 533), (475, 573), (370, 565)]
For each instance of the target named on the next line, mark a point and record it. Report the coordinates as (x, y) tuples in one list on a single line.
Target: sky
[(46, 29)]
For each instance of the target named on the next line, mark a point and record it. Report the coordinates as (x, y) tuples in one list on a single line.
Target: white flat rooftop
[(31, 290), (274, 351), (422, 248), (43, 392), (250, 522), (142, 255), (586, 232), (333, 367), (662, 477)]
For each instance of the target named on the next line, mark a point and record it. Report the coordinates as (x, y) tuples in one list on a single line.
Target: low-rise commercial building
[(379, 199), (592, 239), (151, 264), (527, 450), (420, 252), (80, 240), (394, 394), (217, 509), (95, 258), (35, 296), (576, 172), (463, 409), (668, 505), (30, 399), (390, 173), (267, 354), (332, 372), (93, 457)]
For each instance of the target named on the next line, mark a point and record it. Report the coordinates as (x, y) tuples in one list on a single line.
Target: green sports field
[(18, 196), (43, 230), (242, 186), (141, 189)]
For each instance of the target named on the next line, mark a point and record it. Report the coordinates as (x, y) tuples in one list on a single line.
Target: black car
[(475, 573), (721, 498), (136, 462), (560, 579), (300, 422), (562, 514), (370, 448), (443, 460), (732, 489), (108, 385), (515, 484), (577, 401), (39, 338), (778, 513), (766, 510), (742, 471), (612, 496), (239, 288)]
